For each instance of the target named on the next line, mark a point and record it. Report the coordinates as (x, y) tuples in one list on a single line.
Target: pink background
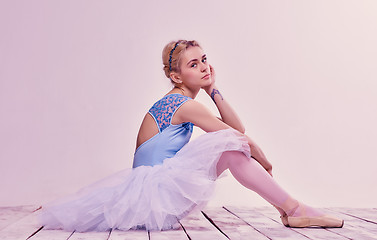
[(76, 78)]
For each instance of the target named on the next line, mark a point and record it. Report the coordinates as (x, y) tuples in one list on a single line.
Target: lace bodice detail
[(163, 110), (170, 138)]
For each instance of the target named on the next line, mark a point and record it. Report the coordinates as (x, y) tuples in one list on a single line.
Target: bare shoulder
[(193, 106), (198, 114), (190, 109)]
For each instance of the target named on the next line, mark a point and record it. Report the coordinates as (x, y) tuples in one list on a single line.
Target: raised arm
[(228, 115)]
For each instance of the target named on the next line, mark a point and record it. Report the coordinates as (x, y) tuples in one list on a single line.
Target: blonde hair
[(176, 55)]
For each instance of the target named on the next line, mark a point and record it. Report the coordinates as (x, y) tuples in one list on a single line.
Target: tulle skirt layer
[(147, 197)]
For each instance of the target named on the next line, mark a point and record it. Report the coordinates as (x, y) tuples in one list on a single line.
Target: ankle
[(280, 210), (293, 210), (303, 210)]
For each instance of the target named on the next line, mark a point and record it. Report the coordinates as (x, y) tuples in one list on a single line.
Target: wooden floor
[(228, 222)]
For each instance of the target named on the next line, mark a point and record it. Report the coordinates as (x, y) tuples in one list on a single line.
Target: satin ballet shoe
[(325, 221), (304, 220), (284, 220)]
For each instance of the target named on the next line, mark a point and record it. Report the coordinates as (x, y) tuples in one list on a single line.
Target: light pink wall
[(76, 78)]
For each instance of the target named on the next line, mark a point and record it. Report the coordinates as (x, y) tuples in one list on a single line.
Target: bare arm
[(257, 153), (228, 115), (196, 113)]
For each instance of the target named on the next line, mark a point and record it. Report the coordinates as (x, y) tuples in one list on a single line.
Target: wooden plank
[(90, 235), (264, 223), (367, 214), (198, 227), (355, 228), (20, 229), (51, 235), (178, 234), (269, 227), (313, 232), (129, 235), (234, 227), (114, 235), (9, 215)]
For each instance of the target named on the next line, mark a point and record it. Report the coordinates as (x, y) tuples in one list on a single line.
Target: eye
[(204, 59), (194, 64)]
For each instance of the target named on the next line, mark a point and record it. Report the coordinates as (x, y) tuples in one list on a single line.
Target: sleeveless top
[(170, 138)]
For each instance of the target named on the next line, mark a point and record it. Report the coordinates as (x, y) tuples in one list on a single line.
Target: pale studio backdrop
[(77, 77)]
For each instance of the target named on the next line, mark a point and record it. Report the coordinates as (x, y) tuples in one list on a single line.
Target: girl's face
[(195, 71)]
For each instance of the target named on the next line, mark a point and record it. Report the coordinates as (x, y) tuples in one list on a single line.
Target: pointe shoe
[(284, 220), (325, 221)]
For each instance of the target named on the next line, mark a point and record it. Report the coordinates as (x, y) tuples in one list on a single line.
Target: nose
[(204, 67)]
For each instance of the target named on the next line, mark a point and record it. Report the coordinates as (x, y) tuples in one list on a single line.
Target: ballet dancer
[(172, 176)]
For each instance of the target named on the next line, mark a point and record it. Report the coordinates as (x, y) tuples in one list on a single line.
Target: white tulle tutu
[(146, 197)]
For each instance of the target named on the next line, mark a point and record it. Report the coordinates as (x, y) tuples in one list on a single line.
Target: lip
[(205, 76)]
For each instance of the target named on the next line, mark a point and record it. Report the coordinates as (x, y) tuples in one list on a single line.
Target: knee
[(230, 159), (234, 158)]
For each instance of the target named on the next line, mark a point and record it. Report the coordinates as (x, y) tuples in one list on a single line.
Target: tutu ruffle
[(147, 197)]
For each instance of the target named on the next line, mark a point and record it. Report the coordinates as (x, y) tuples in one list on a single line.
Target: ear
[(175, 77)]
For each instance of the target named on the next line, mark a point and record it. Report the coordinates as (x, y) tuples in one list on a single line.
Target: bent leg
[(253, 176)]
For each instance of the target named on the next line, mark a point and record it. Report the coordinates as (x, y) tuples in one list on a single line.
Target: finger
[(212, 71)]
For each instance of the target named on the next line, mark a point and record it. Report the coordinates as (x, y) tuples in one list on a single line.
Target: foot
[(283, 216), (305, 216), (284, 219)]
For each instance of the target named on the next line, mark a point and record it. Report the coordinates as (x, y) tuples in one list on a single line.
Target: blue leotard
[(170, 138)]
